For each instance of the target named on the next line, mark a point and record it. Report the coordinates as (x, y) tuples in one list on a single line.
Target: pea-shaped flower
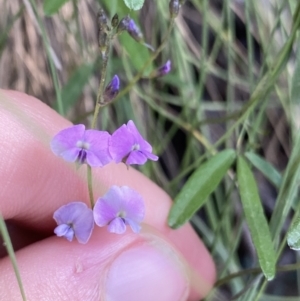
[(75, 144), (74, 219), (119, 207), (127, 145)]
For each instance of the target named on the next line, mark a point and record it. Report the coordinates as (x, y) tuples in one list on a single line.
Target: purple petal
[(71, 155), (121, 143), (137, 136), (112, 89), (107, 207), (164, 69), (133, 204), (64, 230), (117, 205), (150, 156), (79, 217), (136, 157), (67, 139), (117, 226), (98, 152), (135, 227)]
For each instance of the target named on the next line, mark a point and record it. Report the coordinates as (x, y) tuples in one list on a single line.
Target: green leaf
[(52, 6), (73, 88), (134, 4), (256, 219), (295, 90), (293, 236), (266, 168), (199, 186)]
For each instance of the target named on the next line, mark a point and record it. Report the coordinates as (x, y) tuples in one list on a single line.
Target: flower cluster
[(120, 206), (98, 148)]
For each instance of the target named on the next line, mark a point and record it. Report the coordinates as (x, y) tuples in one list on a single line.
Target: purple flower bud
[(74, 219), (119, 207), (134, 31), (75, 144), (123, 25), (164, 69), (112, 89), (127, 145)]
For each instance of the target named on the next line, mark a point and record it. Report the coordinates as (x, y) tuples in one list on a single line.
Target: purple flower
[(75, 144), (74, 219), (134, 31), (112, 89), (126, 144), (164, 69), (119, 207)]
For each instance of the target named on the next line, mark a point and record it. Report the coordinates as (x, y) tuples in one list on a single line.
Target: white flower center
[(136, 146), (83, 144), (122, 214)]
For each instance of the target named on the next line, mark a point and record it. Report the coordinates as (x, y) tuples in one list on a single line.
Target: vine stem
[(99, 104)]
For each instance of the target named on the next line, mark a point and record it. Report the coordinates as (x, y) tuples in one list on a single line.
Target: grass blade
[(199, 186), (266, 168), (293, 236), (10, 251), (256, 219)]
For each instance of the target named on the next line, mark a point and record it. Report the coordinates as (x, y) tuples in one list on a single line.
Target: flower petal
[(150, 156), (71, 154), (98, 152), (121, 143), (62, 230), (67, 139), (133, 204), (108, 206), (117, 226), (136, 157), (135, 227), (79, 217)]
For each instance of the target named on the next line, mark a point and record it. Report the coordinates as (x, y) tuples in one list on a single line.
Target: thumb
[(110, 267)]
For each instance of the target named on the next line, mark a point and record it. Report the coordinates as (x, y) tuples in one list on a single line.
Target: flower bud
[(123, 25), (174, 6), (102, 31), (102, 20), (162, 70), (115, 21), (111, 90), (134, 31)]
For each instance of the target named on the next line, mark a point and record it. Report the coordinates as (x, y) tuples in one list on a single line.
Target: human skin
[(158, 264)]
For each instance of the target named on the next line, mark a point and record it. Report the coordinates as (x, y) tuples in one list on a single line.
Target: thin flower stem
[(99, 102), (90, 185)]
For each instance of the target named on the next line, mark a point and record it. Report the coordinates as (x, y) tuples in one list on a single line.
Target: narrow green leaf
[(9, 247), (266, 168), (256, 219), (52, 6), (293, 236), (295, 89), (134, 4), (73, 88), (199, 186)]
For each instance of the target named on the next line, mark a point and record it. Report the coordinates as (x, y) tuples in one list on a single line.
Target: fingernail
[(148, 271)]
